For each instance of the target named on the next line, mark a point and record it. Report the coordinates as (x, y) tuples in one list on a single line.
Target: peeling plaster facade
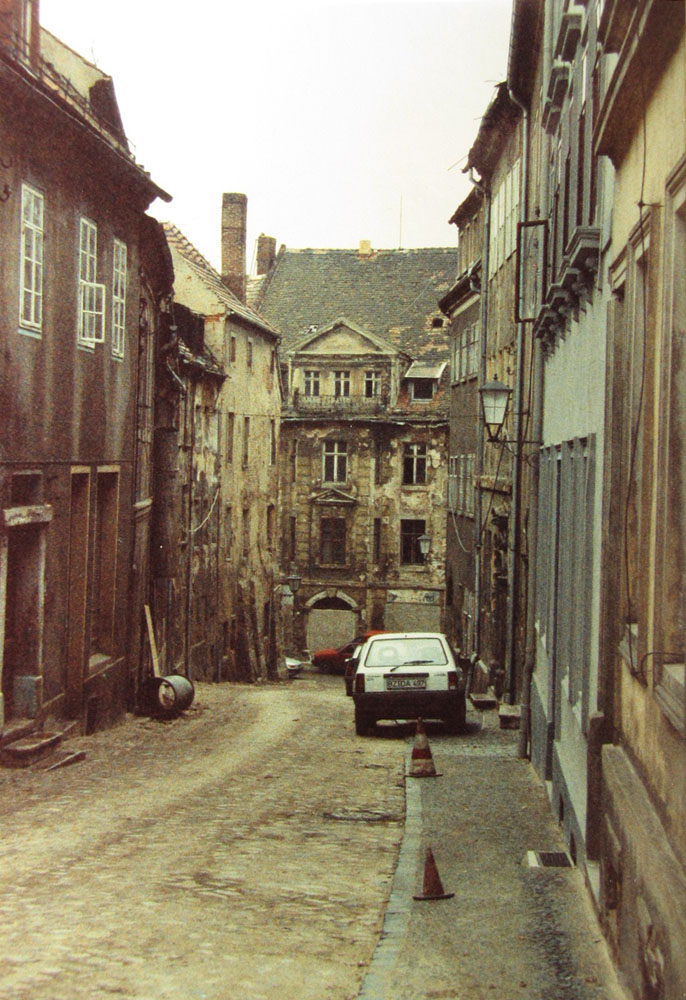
[(342, 471), (234, 517)]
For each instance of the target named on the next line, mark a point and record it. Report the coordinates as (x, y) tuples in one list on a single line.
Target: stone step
[(28, 749), (509, 716), (484, 700)]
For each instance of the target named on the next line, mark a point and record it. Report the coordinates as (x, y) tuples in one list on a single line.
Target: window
[(246, 440), (414, 465), (372, 384), (250, 353), (311, 387), (230, 420), (466, 353), (504, 215), (341, 383), (376, 546), (272, 442), (119, 273), (91, 294), (421, 388), (332, 541), (31, 282), (335, 462), (232, 351), (464, 485), (294, 461), (452, 482), (410, 530)]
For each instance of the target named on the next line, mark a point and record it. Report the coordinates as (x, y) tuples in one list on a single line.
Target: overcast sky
[(340, 121)]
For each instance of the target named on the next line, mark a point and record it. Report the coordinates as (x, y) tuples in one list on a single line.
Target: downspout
[(189, 530), (478, 503), (515, 510)]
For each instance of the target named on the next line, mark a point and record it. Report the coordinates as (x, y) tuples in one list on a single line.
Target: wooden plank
[(153, 644)]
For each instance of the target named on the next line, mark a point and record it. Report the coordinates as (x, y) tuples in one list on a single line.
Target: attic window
[(437, 322), (422, 388)]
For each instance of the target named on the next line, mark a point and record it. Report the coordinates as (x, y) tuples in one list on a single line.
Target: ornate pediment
[(341, 338), (333, 496)]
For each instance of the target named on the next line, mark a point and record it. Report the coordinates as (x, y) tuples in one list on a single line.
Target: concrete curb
[(374, 984)]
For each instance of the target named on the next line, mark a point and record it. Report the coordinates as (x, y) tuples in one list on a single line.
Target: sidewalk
[(510, 931)]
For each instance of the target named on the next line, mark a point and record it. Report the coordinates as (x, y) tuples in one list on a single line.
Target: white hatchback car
[(408, 675)]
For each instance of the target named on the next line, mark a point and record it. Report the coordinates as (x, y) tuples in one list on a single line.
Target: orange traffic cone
[(422, 763), (432, 887)]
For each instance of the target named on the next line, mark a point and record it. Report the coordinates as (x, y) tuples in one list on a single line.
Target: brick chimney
[(234, 216), (266, 253)]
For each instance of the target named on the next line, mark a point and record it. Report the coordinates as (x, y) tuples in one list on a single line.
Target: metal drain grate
[(548, 859)]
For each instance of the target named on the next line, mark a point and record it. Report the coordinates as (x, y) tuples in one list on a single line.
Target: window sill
[(670, 694), (34, 334), (341, 566)]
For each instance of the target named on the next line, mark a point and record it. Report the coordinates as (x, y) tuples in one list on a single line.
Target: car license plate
[(403, 683)]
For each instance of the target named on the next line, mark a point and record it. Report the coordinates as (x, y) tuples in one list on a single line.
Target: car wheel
[(363, 723)]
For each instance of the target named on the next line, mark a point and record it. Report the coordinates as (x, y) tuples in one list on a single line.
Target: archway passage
[(331, 622)]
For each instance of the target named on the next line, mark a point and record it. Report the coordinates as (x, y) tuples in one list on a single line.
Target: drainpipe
[(515, 510), (189, 529), (478, 503)]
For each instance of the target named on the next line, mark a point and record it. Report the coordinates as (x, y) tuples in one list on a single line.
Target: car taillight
[(359, 683), (453, 679)]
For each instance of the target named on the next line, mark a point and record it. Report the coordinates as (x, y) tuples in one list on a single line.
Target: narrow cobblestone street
[(244, 850), (248, 850)]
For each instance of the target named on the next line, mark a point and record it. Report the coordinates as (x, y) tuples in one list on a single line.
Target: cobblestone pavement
[(245, 850)]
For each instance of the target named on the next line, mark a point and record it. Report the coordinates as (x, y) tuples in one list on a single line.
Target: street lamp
[(424, 542), (294, 581), (494, 399)]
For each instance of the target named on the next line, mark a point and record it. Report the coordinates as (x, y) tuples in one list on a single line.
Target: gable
[(343, 338), (334, 497)]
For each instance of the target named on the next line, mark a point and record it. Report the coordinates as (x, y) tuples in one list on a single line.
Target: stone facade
[(364, 435), (234, 522)]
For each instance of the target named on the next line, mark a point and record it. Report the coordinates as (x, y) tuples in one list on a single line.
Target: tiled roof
[(177, 241), (391, 293)]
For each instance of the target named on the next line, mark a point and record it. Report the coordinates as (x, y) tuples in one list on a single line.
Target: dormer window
[(423, 379), (422, 388)]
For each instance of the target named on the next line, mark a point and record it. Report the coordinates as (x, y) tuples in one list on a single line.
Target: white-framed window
[(414, 465), (311, 382), (372, 384), (91, 329), (31, 282), (504, 216), (341, 383), (335, 461), (452, 482), (466, 353), (119, 275)]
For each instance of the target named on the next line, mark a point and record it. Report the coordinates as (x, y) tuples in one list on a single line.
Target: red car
[(332, 661)]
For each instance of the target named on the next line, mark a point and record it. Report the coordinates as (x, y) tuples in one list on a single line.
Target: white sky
[(325, 114)]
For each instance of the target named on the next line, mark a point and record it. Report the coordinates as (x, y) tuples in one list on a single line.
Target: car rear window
[(398, 652)]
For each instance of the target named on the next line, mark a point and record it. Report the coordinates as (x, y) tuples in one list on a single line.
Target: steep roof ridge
[(212, 276)]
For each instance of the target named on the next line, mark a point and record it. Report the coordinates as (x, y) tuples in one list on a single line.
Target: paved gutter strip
[(396, 921)]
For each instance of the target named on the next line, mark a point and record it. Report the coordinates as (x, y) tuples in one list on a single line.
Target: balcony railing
[(337, 405)]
